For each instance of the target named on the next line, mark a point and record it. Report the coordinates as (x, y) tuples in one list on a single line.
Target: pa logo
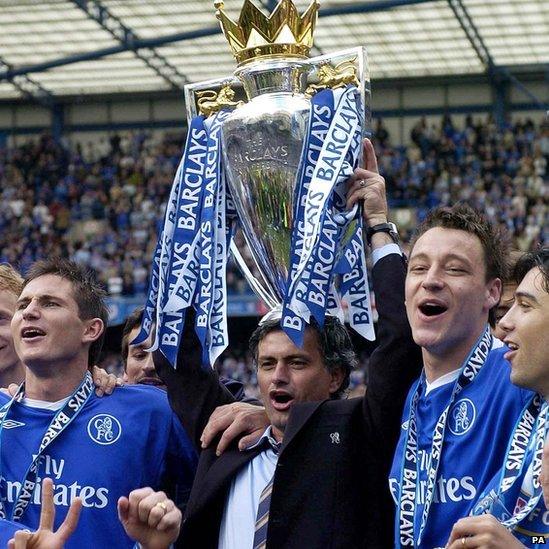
[(462, 417), (104, 429)]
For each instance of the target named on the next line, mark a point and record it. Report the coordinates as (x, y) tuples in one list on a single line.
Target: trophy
[(269, 151)]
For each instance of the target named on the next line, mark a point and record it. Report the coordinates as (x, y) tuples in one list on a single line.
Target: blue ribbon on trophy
[(278, 164), (321, 207), (161, 259), (149, 312), (214, 188), (182, 273), (175, 264), (321, 115)]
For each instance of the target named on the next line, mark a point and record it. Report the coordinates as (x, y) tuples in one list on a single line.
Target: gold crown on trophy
[(284, 33)]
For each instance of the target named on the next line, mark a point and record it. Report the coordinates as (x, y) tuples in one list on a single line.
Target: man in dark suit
[(327, 459)]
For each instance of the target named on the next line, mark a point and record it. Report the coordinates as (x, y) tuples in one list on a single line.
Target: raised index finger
[(47, 513), (370, 160)]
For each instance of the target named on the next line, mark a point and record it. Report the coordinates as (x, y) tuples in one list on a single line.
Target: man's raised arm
[(194, 391), (396, 362)]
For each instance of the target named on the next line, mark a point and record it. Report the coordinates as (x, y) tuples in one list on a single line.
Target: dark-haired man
[(12, 370), (459, 415), (514, 497), (317, 477), (138, 362), (509, 285), (95, 449)]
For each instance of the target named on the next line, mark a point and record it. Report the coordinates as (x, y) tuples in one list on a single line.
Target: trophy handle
[(256, 286)]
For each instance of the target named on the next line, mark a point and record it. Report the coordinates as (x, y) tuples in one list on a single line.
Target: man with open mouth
[(317, 476), (55, 425), (514, 496), (461, 412)]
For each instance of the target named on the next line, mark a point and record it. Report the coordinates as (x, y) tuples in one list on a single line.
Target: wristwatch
[(389, 228)]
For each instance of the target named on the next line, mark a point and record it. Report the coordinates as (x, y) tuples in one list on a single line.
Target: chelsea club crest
[(462, 417), (104, 429)]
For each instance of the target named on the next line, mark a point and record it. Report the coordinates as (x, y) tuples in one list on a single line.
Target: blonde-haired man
[(11, 284)]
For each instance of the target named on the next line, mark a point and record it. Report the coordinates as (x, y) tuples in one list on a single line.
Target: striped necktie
[(262, 517)]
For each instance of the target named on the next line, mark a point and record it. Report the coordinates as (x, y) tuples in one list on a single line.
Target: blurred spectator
[(503, 172)]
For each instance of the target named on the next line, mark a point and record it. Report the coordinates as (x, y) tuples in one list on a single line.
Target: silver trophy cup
[(263, 140)]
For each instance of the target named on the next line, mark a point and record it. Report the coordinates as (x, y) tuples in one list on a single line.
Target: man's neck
[(13, 374), (277, 433), (53, 386), (437, 364)]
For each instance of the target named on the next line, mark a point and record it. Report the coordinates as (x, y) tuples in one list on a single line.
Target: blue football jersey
[(116, 444), (536, 525), (7, 531), (479, 425)]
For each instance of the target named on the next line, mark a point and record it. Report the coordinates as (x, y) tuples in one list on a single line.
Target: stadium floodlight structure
[(127, 37), (91, 47)]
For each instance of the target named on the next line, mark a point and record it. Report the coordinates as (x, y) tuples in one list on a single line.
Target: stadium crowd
[(101, 204)]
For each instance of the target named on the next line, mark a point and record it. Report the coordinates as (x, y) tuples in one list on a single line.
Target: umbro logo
[(11, 424)]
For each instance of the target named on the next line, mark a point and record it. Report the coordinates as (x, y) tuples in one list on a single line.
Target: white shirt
[(385, 250), (238, 523), (44, 404)]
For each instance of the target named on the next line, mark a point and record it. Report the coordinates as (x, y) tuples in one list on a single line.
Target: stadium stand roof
[(56, 48)]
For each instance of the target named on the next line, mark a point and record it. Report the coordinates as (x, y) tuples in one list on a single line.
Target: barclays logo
[(462, 417), (104, 429)]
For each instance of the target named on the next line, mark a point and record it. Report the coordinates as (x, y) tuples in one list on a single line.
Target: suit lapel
[(299, 415), (224, 469), (219, 476)]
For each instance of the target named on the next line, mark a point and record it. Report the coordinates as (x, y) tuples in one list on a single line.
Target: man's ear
[(94, 329), (493, 293), (337, 377)]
